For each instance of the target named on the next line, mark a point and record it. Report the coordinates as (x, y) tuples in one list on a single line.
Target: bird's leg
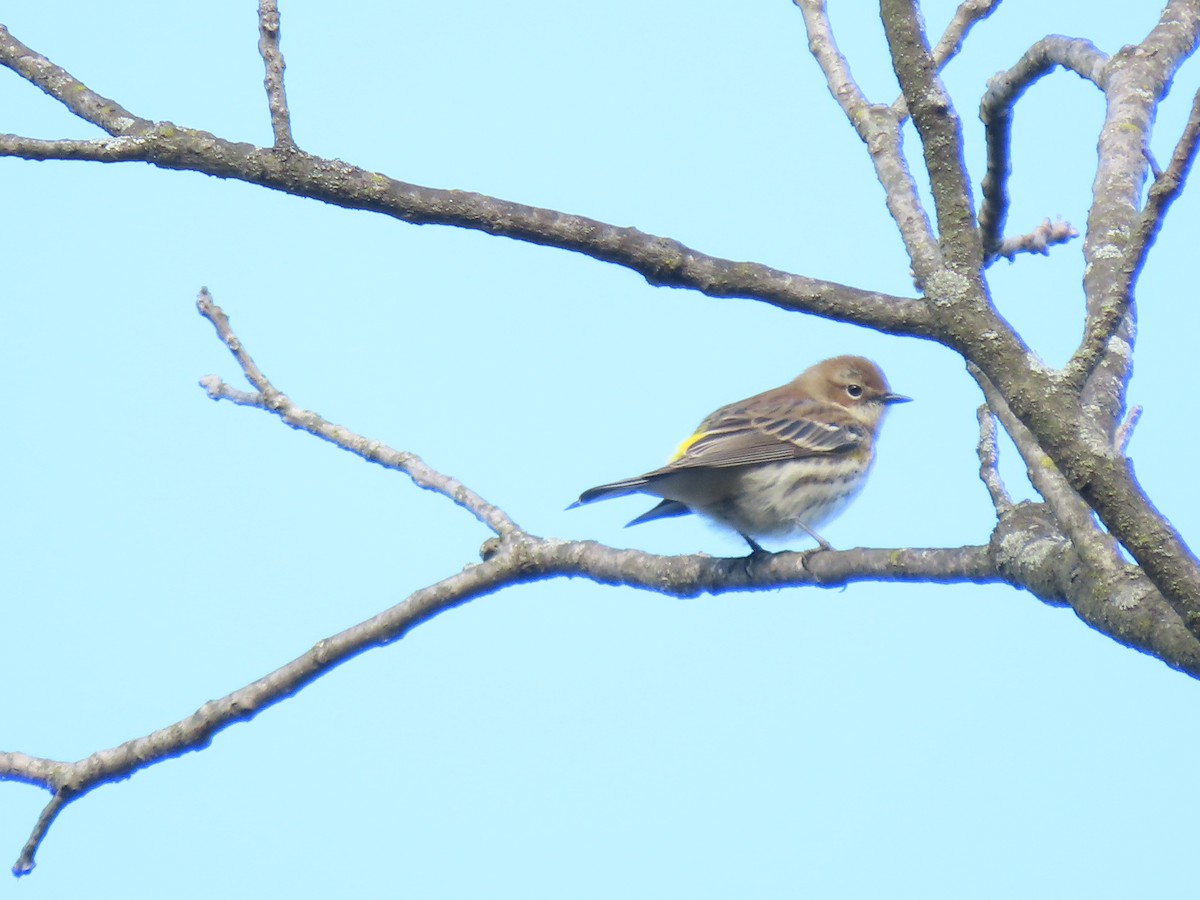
[(756, 549), (822, 544), (746, 563)]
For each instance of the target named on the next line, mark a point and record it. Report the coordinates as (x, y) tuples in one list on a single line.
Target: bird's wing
[(735, 436)]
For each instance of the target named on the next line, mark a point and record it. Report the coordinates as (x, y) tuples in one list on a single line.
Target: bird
[(779, 463)]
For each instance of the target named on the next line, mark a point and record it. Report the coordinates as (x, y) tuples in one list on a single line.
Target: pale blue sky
[(561, 739)]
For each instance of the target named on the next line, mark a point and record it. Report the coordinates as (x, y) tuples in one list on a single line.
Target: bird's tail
[(615, 489), (665, 510)]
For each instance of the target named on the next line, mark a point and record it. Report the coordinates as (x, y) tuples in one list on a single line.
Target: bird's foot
[(756, 549)]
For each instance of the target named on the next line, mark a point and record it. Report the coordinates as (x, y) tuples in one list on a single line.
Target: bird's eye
[(854, 390)]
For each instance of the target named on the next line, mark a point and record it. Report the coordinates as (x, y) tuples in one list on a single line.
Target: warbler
[(781, 462)]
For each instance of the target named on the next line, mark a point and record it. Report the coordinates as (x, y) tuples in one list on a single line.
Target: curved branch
[(995, 110)]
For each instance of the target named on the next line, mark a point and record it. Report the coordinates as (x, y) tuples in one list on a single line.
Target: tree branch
[(968, 14), (1114, 598), (989, 472), (1125, 430), (268, 47), (1168, 185), (1025, 546), (271, 400), (1040, 240), (941, 136), (959, 315), (660, 260), (63, 87), (995, 110), (879, 128), (1094, 547), (1135, 82)]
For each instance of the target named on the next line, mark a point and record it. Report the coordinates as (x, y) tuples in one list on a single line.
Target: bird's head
[(852, 382)]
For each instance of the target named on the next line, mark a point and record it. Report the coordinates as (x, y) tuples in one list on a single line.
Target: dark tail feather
[(616, 489), (665, 510)]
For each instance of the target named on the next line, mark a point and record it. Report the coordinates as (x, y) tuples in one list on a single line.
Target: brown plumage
[(784, 461)]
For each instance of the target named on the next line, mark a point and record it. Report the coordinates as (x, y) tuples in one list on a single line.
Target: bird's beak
[(895, 398)]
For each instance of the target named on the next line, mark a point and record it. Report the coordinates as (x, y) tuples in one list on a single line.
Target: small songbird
[(781, 462)]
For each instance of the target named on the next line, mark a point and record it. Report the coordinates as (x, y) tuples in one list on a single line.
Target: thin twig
[(26, 861), (271, 400), (1095, 547), (996, 108), (268, 47), (1040, 240), (1168, 185), (989, 458), (879, 128), (1125, 431), (968, 14)]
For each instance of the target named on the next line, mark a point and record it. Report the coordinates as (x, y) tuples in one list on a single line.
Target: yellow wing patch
[(683, 448)]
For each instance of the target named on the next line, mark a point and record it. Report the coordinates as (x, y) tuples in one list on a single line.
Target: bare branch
[(1028, 546), (879, 128), (1040, 240), (271, 400), (966, 322), (43, 773), (63, 87), (996, 108), (1105, 592), (1168, 185), (969, 12), (25, 862), (1135, 81), (662, 261), (989, 472), (75, 780), (127, 148), (941, 137), (1125, 431), (268, 47), (1095, 547)]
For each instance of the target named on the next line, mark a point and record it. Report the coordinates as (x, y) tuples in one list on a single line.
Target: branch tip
[(270, 399), (268, 48), (1039, 241)]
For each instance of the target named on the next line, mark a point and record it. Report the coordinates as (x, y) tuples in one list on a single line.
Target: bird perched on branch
[(782, 462)]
